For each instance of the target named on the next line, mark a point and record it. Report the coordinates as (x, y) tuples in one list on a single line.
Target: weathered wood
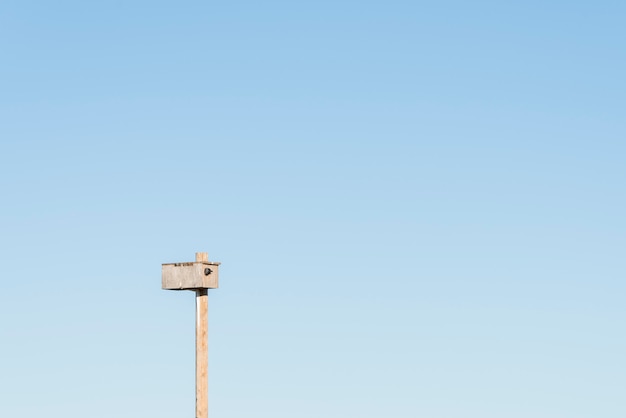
[(202, 257), (198, 276), (202, 354), (190, 276)]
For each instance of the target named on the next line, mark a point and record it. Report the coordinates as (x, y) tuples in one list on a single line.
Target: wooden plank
[(202, 354)]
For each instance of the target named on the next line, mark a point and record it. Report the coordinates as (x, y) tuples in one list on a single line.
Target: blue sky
[(418, 207)]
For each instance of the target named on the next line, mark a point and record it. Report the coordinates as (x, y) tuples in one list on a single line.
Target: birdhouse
[(199, 274)]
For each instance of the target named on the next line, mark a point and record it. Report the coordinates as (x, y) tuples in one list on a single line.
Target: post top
[(202, 257)]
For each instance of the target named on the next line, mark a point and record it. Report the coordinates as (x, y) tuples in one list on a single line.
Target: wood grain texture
[(202, 354), (202, 257), (190, 276)]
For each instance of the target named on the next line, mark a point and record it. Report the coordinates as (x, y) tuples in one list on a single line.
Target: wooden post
[(202, 354), (202, 348), (198, 276)]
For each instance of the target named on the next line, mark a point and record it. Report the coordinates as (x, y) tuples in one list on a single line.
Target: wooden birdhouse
[(199, 274)]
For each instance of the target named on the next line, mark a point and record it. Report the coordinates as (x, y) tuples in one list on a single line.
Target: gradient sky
[(418, 206)]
